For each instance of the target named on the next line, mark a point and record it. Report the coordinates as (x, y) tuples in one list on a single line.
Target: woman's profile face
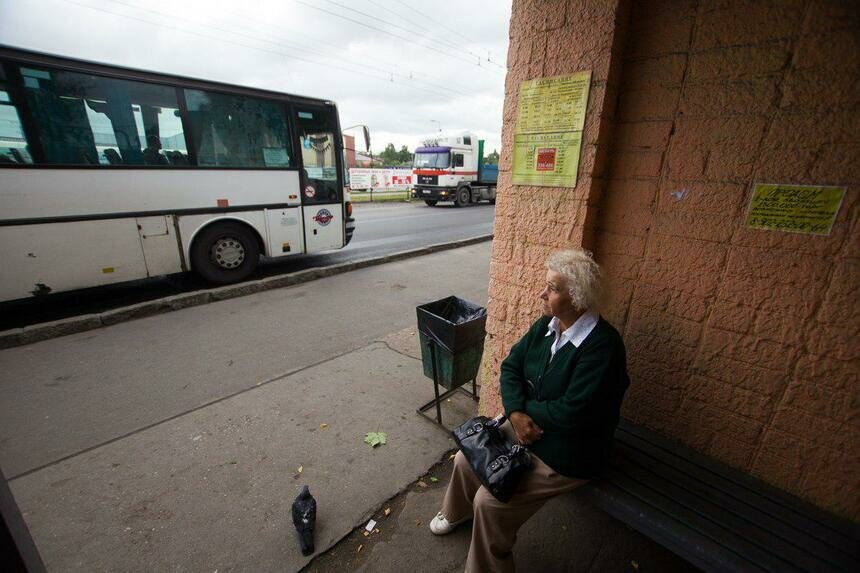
[(555, 296)]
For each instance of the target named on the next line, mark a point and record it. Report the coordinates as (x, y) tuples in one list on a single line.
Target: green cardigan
[(575, 398)]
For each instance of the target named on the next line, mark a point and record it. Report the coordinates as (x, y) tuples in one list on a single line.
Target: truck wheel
[(225, 253), (430, 202), (463, 197)]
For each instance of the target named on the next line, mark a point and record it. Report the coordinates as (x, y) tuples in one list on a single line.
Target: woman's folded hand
[(527, 431)]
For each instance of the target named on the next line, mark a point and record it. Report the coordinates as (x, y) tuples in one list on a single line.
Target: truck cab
[(450, 169)]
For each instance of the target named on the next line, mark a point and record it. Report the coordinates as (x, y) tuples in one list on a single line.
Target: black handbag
[(496, 459)]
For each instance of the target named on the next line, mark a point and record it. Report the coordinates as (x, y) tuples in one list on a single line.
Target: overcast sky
[(404, 68)]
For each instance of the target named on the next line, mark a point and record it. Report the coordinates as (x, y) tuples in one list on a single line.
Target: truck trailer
[(452, 168)]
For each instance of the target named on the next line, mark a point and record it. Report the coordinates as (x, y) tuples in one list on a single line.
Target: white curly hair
[(582, 274)]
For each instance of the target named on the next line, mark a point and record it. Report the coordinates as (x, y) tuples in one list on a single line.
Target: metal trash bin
[(451, 331)]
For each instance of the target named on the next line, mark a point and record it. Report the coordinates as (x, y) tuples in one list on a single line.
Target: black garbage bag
[(452, 323)]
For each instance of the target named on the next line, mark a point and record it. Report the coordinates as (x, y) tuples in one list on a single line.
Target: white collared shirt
[(576, 334)]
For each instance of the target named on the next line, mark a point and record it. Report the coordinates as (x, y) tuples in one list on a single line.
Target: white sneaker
[(440, 525)]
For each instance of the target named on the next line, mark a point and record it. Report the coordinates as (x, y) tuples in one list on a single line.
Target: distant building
[(349, 149)]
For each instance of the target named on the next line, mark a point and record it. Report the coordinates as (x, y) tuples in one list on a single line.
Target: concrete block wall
[(532, 221), (742, 343)]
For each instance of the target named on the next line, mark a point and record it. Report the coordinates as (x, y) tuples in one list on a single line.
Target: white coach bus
[(110, 174)]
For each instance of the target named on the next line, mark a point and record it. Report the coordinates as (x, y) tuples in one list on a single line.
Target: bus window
[(234, 131), (83, 119), (317, 128), (13, 143)]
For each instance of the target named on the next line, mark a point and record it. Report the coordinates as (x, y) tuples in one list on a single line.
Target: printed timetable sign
[(548, 138), (794, 208), (548, 105), (546, 159)]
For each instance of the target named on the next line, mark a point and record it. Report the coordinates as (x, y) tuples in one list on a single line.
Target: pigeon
[(304, 518)]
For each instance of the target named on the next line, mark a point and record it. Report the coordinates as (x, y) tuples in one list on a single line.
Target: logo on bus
[(323, 217)]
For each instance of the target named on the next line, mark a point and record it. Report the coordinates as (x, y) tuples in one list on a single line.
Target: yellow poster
[(556, 104), (546, 159), (794, 208)]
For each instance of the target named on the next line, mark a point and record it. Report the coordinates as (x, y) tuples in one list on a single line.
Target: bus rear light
[(349, 209), (223, 202)]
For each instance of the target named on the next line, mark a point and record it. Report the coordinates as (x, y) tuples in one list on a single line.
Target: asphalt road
[(381, 229)]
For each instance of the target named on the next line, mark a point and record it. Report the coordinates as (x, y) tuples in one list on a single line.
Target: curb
[(47, 330)]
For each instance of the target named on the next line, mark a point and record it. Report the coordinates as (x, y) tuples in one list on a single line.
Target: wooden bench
[(714, 516)]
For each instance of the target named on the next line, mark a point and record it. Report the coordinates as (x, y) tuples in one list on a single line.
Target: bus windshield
[(432, 160)]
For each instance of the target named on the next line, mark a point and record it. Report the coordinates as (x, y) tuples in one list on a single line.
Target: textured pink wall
[(742, 343)]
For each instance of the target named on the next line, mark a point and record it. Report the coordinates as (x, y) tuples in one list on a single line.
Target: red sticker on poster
[(546, 159)]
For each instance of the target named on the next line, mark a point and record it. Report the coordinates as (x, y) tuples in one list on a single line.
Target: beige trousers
[(496, 524)]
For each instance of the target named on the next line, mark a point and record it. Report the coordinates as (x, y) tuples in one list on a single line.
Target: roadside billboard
[(361, 179)]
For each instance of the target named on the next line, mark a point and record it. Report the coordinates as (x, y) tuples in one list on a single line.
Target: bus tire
[(431, 202), (225, 253), (463, 197)]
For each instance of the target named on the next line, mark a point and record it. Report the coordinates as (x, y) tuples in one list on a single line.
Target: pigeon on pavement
[(304, 518)]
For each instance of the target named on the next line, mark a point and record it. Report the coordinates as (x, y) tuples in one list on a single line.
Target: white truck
[(452, 168)]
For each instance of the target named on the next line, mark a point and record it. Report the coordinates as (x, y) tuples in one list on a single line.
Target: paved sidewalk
[(178, 441)]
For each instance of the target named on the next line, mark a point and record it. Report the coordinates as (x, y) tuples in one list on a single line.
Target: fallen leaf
[(387, 511), (323, 426), (300, 469), (421, 483), (452, 456), (376, 530), (360, 547), (635, 564), (434, 479), (418, 522), (366, 533), (375, 438), (232, 462)]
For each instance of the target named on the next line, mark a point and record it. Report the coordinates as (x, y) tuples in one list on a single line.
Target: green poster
[(794, 208), (546, 159)]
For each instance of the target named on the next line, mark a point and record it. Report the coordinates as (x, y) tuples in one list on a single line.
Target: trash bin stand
[(438, 400)]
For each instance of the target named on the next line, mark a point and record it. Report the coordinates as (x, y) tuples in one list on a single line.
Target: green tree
[(389, 156), (492, 158), (405, 156)]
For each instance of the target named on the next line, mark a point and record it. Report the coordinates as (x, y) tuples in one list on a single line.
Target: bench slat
[(730, 540), (712, 504), (701, 551), (839, 535)]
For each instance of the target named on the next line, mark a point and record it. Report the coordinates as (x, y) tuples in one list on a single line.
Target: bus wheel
[(463, 197), (430, 202), (225, 253)]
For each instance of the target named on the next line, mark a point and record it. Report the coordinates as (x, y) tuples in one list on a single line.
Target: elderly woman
[(562, 386)]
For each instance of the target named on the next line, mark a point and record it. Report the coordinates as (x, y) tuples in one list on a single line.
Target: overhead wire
[(381, 61), (300, 48), (455, 32), (366, 25), (412, 21), (279, 53)]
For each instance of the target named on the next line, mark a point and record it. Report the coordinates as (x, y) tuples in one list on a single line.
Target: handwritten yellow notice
[(794, 208), (548, 105)]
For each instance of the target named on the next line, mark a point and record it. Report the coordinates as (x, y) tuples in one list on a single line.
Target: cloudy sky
[(405, 68)]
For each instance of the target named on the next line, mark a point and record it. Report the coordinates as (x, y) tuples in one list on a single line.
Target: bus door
[(320, 177)]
